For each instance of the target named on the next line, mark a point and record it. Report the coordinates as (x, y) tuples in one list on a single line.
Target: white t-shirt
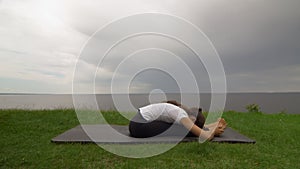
[(163, 112)]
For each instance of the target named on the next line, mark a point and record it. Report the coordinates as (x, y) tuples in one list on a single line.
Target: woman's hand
[(215, 129), (221, 127), (218, 127), (204, 135)]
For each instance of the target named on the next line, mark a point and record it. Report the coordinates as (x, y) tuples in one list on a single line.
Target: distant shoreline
[(269, 102)]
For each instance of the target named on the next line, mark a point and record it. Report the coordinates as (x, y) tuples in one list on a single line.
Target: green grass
[(25, 143)]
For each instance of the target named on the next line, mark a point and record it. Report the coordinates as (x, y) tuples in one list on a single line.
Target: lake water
[(269, 102)]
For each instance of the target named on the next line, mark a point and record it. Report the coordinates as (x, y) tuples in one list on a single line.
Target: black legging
[(140, 128)]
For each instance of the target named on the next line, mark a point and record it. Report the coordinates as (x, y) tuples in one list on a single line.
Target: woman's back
[(163, 112)]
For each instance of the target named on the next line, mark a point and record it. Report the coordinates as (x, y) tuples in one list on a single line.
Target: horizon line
[(230, 92)]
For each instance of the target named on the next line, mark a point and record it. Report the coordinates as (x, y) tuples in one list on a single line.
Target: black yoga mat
[(116, 134)]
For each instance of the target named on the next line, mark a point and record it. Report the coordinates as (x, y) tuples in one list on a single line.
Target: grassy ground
[(25, 143)]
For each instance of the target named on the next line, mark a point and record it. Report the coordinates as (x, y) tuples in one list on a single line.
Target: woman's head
[(196, 113)]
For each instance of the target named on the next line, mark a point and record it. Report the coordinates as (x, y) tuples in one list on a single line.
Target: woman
[(156, 119)]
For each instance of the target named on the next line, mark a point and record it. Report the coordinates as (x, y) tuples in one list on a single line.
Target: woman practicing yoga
[(155, 119)]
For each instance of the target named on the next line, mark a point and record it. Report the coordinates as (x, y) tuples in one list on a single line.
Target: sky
[(42, 41)]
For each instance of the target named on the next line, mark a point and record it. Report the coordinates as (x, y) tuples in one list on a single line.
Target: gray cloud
[(258, 42), (261, 34), (254, 40)]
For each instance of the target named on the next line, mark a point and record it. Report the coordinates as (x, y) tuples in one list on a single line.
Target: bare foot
[(218, 127)]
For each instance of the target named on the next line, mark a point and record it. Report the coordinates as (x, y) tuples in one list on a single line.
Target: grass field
[(25, 143)]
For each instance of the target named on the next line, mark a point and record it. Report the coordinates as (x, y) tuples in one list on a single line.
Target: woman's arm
[(187, 123)]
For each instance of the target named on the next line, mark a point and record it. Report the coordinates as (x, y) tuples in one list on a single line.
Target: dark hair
[(200, 119), (197, 112)]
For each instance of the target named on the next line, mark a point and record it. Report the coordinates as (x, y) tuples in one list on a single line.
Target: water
[(269, 102)]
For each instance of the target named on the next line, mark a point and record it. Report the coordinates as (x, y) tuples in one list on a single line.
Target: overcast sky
[(40, 43)]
